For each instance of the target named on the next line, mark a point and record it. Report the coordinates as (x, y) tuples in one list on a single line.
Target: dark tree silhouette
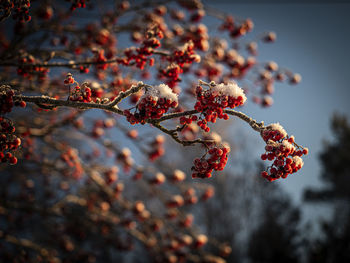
[(335, 160)]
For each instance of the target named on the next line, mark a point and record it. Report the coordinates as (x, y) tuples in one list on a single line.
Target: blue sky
[(313, 40)]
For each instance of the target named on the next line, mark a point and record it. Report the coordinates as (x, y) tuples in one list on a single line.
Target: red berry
[(13, 160)]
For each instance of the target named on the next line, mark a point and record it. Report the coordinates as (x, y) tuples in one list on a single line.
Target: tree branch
[(123, 94), (259, 127), (67, 103), (112, 107), (72, 63)]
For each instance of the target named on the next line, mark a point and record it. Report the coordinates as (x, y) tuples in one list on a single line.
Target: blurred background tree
[(89, 188)]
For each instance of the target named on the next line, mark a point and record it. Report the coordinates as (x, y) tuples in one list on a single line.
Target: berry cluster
[(238, 64), (203, 167), (283, 151), (82, 94), (77, 4), (139, 56), (185, 55), (237, 30), (158, 148), (199, 35), (6, 99), (100, 59), (20, 8), (27, 69), (8, 141), (212, 102), (171, 73), (111, 175), (69, 79), (99, 127), (140, 211), (153, 104), (71, 158)]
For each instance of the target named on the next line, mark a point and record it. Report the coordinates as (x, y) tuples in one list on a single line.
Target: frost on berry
[(175, 201), (214, 160), (156, 101), (274, 131), (212, 102), (178, 176), (7, 100), (81, 93), (159, 178), (284, 153)]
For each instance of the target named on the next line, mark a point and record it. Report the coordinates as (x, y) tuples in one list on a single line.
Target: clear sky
[(313, 40)]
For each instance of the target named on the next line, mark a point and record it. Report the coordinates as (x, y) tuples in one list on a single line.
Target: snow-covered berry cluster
[(212, 102), (82, 94), (283, 151), (156, 101), (8, 141), (218, 155)]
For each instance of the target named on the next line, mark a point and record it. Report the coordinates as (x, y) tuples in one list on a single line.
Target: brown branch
[(25, 243), (123, 94), (59, 64), (72, 63), (67, 103), (174, 135), (51, 127), (259, 127), (112, 107), (176, 115)]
